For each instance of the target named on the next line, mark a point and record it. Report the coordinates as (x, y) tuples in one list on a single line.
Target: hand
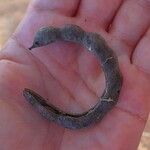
[(70, 78)]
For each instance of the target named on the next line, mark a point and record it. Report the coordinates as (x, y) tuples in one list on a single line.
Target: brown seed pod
[(95, 44)]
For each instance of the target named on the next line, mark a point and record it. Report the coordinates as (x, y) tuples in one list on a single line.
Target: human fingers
[(98, 12), (131, 22), (44, 13), (63, 7)]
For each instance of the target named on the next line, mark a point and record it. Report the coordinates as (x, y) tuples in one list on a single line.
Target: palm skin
[(70, 78)]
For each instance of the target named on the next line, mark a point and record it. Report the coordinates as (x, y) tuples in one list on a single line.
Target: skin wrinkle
[(71, 63), (83, 78), (14, 37), (144, 3), (141, 119), (124, 41), (140, 68), (3, 57), (46, 140), (41, 10), (75, 72), (129, 45), (81, 105), (38, 68), (60, 83), (61, 142), (69, 92)]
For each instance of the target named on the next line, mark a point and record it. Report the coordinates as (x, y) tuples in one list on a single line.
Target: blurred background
[(11, 12)]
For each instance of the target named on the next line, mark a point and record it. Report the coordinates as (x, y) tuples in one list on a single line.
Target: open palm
[(70, 77)]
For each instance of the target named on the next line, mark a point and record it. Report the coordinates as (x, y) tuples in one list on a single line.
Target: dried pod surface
[(95, 44)]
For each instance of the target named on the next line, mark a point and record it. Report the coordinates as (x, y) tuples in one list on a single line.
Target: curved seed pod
[(97, 45)]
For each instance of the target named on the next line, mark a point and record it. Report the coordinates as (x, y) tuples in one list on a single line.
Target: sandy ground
[(11, 12)]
